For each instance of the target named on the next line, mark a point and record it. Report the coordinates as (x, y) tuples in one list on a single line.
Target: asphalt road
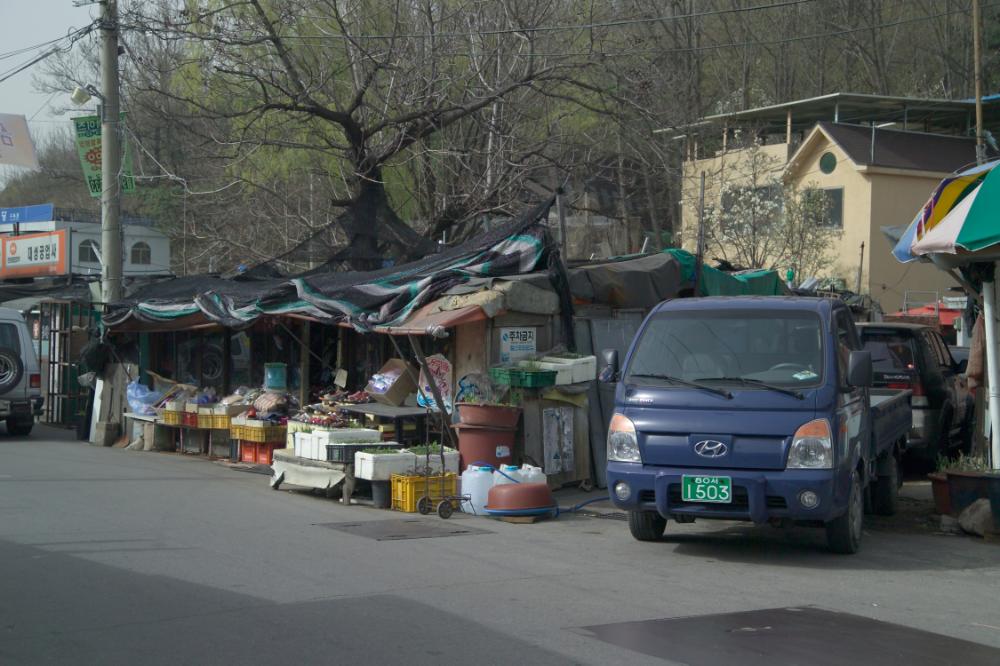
[(110, 556)]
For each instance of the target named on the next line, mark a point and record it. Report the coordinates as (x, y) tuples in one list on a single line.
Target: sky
[(25, 23)]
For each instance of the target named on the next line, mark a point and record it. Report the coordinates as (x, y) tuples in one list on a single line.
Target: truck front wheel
[(646, 525), (843, 534)]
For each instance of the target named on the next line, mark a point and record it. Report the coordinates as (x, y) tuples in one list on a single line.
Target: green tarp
[(720, 283)]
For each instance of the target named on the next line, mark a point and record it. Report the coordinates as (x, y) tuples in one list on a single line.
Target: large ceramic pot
[(493, 416), (967, 487), (942, 497)]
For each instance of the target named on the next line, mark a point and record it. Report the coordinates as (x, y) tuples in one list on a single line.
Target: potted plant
[(939, 487), (489, 414), (969, 479)]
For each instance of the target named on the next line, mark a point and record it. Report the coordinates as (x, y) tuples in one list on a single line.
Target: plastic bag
[(141, 399)]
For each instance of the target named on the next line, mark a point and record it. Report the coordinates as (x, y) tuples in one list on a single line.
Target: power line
[(72, 37)]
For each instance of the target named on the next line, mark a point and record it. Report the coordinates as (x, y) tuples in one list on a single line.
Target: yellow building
[(877, 170)]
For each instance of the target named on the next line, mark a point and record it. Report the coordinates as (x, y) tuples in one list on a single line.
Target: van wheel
[(11, 369), (646, 525), (885, 491), (843, 534), (19, 427)]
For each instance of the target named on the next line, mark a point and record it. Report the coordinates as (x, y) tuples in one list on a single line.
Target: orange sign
[(34, 255)]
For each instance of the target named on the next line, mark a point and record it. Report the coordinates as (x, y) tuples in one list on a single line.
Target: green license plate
[(718, 489)]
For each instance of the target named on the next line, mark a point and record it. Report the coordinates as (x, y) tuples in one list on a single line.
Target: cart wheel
[(445, 509), (424, 505)]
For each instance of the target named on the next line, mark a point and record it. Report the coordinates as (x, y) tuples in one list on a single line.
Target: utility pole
[(111, 158), (700, 250), (977, 50)]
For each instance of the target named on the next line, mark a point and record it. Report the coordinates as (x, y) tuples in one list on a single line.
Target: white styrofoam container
[(584, 368), (348, 436), (303, 447), (450, 462), (381, 466)]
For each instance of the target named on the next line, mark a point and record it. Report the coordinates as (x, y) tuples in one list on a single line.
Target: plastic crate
[(407, 490), (265, 451), (248, 452), (206, 421), (270, 434), (521, 378), (189, 419), (172, 418), (220, 422), (344, 453)]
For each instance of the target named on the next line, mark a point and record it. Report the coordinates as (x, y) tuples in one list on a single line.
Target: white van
[(20, 375)]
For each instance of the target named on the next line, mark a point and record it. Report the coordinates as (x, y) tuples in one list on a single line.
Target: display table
[(327, 476), (398, 416), (201, 438)]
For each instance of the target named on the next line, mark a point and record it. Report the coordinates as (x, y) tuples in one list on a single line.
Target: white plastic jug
[(476, 483), (507, 474), (531, 474)]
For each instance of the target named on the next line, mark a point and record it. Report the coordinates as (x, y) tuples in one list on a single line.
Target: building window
[(141, 254), (827, 163), (89, 252), (834, 207)]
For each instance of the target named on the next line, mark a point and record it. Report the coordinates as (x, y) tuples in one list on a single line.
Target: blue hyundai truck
[(754, 409)]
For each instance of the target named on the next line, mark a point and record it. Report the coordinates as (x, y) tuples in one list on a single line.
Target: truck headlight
[(622, 443), (812, 446)]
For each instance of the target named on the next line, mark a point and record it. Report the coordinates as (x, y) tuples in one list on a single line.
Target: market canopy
[(365, 300)]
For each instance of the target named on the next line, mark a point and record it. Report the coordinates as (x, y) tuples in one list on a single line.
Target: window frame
[(141, 246), (93, 247)]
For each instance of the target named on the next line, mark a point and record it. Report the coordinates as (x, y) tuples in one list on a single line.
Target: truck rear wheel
[(19, 427), (843, 534), (646, 525), (885, 490)]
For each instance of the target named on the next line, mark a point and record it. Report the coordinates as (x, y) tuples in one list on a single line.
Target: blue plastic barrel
[(275, 376)]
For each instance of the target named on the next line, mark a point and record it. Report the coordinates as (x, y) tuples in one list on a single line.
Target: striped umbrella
[(961, 217)]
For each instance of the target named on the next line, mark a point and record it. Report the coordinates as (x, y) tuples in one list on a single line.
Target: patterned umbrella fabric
[(940, 225)]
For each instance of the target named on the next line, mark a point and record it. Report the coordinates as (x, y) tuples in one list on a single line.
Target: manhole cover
[(792, 636), (406, 528)]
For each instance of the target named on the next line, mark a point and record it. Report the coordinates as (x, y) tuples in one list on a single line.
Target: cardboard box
[(392, 383)]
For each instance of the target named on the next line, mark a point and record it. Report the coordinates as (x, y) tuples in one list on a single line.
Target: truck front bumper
[(758, 495)]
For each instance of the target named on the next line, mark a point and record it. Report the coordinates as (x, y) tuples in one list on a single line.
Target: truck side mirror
[(859, 369), (609, 373)]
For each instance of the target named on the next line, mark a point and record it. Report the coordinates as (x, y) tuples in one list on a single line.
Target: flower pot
[(965, 488), (942, 498), (493, 416)]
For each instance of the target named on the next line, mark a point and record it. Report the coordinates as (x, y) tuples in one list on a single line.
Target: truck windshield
[(778, 347)]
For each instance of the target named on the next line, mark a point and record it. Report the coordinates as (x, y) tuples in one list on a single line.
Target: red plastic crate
[(265, 452), (248, 452), (190, 420)]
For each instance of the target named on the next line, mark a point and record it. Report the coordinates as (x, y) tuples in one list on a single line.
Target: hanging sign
[(517, 343), (16, 146), (37, 213), (87, 131), (34, 255)]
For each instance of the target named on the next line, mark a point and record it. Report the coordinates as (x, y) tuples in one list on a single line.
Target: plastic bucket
[(381, 494), (965, 488), (493, 446), (275, 376), (476, 483)]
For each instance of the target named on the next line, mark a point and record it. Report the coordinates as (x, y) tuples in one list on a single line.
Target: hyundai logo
[(710, 448)]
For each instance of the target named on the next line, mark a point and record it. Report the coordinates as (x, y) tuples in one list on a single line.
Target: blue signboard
[(38, 213)]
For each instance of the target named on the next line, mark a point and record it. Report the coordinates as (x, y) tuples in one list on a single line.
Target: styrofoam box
[(450, 462), (584, 368), (381, 466), (303, 444), (348, 436), (564, 371)]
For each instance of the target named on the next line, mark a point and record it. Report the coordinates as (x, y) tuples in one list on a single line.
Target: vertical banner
[(87, 131), (16, 146)]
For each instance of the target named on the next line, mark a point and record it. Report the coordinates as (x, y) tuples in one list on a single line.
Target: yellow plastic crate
[(220, 421), (172, 417), (407, 490), (236, 430), (264, 434), (206, 421)]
